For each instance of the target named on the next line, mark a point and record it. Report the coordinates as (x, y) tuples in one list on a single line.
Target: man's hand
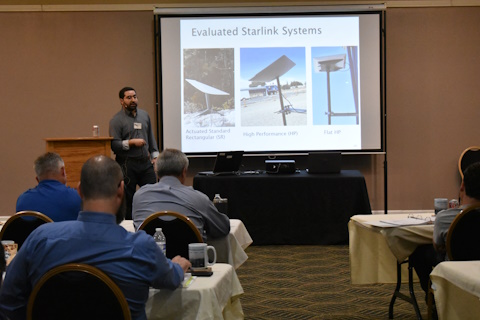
[(137, 142), (184, 263)]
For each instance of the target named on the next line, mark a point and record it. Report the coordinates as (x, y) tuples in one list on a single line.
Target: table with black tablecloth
[(297, 208)]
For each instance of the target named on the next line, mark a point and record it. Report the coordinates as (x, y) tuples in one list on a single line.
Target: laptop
[(226, 163), (324, 162)]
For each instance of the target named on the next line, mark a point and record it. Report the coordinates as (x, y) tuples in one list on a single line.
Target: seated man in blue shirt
[(170, 194), (51, 196), (133, 260)]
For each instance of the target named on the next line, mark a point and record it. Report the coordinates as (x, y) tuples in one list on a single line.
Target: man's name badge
[(137, 126)]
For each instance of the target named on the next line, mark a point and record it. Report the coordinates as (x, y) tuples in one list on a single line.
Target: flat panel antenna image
[(339, 91), (273, 72)]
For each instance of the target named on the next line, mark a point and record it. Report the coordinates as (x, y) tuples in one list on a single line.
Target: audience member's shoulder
[(145, 188), (141, 241), (142, 246), (200, 194), (73, 191), (55, 185), (447, 214), (23, 195), (140, 236), (51, 229), (29, 191)]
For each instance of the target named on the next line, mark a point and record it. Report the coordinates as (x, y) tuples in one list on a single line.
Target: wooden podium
[(75, 151)]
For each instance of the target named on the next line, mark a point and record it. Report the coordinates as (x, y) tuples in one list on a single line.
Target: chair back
[(3, 265), (19, 226), (463, 237), (468, 156), (76, 291), (179, 231)]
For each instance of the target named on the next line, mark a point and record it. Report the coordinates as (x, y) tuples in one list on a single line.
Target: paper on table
[(398, 222), (188, 280)]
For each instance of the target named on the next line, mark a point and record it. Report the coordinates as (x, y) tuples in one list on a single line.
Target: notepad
[(188, 279), (398, 222)]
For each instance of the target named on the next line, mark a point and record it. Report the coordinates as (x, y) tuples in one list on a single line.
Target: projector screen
[(270, 80)]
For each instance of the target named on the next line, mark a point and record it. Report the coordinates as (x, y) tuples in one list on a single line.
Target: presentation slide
[(271, 83)]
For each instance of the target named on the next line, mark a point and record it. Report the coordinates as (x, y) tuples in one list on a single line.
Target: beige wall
[(60, 73), (433, 100)]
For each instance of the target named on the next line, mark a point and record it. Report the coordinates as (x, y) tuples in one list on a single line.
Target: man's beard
[(122, 210), (131, 108)]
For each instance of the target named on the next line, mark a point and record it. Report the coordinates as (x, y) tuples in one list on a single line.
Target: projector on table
[(280, 166)]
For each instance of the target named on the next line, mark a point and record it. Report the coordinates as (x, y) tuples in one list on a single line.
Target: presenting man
[(133, 144), (171, 194), (133, 260), (51, 196)]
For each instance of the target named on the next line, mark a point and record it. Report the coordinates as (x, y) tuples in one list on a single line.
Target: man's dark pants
[(423, 260), (135, 172)]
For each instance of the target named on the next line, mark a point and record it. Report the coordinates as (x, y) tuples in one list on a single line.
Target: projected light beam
[(274, 71)]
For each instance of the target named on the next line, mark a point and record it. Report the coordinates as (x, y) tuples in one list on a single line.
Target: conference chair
[(462, 241), (77, 291), (19, 226), (3, 266), (463, 236), (179, 231), (468, 156)]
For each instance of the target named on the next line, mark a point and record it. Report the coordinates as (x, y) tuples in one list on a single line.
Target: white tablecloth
[(230, 249), (374, 251), (208, 298), (456, 287)]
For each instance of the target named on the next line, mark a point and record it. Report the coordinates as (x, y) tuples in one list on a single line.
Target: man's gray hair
[(49, 162), (171, 162)]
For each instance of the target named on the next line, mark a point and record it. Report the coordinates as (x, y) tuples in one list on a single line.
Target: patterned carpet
[(313, 282)]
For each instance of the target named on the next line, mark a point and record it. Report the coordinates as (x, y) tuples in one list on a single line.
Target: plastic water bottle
[(217, 198), (159, 238), (221, 203)]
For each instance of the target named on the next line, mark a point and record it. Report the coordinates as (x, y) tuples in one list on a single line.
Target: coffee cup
[(198, 255), (440, 204)]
